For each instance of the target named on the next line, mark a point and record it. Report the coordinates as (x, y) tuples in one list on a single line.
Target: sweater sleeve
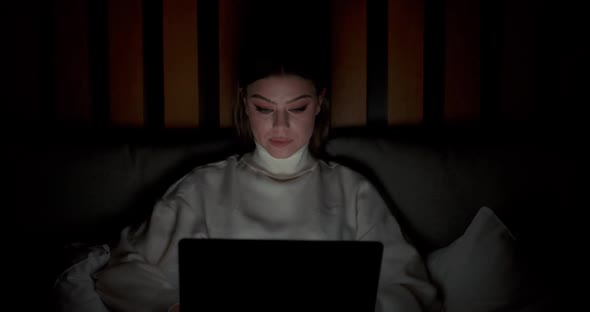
[(404, 284), (142, 274)]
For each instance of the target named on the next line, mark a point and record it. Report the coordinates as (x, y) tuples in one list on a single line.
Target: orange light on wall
[(126, 81), (181, 79), (405, 62), (349, 63)]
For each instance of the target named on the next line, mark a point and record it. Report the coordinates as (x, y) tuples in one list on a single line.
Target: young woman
[(280, 190)]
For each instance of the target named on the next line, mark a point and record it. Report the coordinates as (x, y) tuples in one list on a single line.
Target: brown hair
[(252, 69)]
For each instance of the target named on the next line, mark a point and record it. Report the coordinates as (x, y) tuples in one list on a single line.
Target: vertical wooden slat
[(72, 87), (377, 60), (349, 62), (434, 63), (406, 62), (181, 100), (47, 68), (153, 63), (491, 37), (462, 61), (208, 36), (126, 63), (228, 80), (26, 53), (98, 43), (518, 99)]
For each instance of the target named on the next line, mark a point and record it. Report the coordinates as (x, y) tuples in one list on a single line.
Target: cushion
[(75, 288), (415, 178), (479, 271), (437, 185)]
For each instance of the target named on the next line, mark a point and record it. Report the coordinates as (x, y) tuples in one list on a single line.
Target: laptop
[(278, 275)]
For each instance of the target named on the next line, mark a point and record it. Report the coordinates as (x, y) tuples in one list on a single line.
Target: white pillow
[(478, 271), (75, 288)]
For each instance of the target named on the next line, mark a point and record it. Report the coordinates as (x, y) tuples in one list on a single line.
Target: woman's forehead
[(280, 86)]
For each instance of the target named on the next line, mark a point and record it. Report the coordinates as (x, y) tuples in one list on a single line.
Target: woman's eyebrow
[(299, 98), (258, 96)]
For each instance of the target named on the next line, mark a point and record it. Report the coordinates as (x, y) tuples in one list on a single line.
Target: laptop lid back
[(278, 275)]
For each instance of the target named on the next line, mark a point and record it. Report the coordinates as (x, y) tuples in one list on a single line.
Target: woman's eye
[(299, 109), (263, 110)]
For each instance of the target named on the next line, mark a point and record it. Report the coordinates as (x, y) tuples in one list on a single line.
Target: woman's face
[(282, 111)]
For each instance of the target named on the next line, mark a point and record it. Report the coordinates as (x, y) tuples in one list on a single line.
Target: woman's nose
[(281, 119)]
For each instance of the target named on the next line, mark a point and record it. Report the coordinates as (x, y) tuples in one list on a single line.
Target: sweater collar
[(292, 166)]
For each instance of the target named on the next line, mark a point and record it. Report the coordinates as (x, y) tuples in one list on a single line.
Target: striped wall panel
[(462, 61), (72, 88), (405, 62), (519, 60), (457, 61), (126, 73), (349, 63), (180, 46), (229, 22), (25, 50)]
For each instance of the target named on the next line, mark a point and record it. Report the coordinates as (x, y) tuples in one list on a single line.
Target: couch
[(73, 189)]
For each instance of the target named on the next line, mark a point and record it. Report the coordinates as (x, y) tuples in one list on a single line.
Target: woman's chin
[(281, 154)]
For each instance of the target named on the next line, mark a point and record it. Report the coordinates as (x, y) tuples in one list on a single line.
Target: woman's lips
[(279, 142)]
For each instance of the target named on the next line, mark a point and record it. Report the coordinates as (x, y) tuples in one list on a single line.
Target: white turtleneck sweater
[(259, 196), (286, 168)]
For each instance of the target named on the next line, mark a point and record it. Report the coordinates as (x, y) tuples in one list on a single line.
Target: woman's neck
[(291, 165)]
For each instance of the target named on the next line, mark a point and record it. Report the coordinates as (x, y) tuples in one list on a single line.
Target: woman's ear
[(321, 96), (242, 97)]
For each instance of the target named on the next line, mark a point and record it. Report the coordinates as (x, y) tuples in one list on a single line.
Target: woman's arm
[(404, 284), (142, 274)]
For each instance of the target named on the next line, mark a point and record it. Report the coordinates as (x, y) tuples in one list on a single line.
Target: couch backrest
[(87, 191), (435, 183)]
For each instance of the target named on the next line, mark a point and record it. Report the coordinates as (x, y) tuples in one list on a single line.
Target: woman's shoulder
[(205, 173), (338, 169), (217, 166)]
